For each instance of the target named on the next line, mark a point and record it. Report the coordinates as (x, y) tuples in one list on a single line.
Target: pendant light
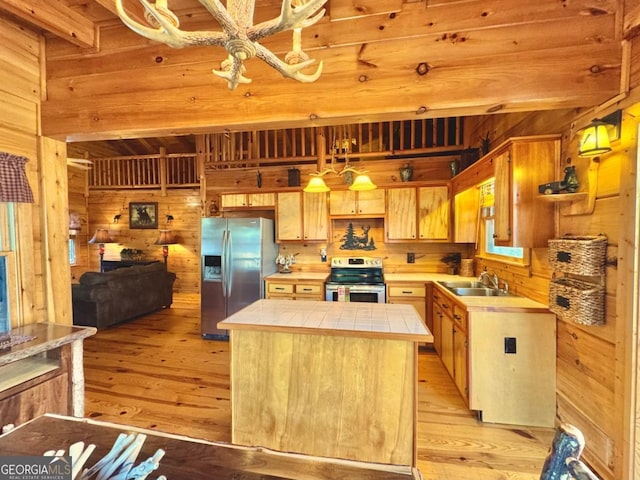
[(361, 182), (594, 140), (316, 184)]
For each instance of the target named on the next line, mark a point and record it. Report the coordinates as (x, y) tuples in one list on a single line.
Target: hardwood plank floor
[(156, 372)]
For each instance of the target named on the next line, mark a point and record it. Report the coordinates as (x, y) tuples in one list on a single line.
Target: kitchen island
[(330, 379)]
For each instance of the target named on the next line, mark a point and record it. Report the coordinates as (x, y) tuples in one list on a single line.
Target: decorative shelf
[(564, 197)]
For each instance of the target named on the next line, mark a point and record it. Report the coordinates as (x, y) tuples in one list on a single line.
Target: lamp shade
[(101, 236), (594, 140), (166, 237), (316, 185), (361, 183)]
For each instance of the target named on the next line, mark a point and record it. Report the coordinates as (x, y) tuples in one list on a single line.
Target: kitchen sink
[(463, 284), (470, 288), (476, 292)]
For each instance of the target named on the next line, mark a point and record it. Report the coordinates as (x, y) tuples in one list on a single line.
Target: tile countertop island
[(331, 379)]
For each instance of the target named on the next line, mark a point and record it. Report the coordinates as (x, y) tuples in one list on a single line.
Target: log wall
[(475, 59), (593, 368), (41, 228)]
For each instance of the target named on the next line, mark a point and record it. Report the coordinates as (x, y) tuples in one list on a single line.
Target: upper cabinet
[(517, 167), (348, 203), (466, 215), (247, 200), (418, 214), (302, 216), (520, 165)]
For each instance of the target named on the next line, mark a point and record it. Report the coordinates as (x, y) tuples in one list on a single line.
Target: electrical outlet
[(509, 344), (411, 258)]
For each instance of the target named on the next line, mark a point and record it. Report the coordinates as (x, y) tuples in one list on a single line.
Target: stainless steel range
[(356, 279)]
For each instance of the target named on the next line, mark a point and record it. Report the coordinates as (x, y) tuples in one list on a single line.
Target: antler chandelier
[(239, 36)]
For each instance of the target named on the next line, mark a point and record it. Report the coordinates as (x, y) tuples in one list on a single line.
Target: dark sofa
[(104, 299)]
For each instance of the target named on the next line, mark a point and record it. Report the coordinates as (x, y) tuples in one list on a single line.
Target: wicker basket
[(577, 301), (578, 255), (466, 267)]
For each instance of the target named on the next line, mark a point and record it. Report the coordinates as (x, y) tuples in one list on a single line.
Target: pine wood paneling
[(182, 204), (562, 56)]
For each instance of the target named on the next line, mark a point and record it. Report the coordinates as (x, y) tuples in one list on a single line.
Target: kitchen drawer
[(408, 291), (445, 304), (309, 289), (280, 288), (460, 317)]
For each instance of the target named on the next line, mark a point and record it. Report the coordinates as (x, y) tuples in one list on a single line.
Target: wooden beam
[(54, 17)]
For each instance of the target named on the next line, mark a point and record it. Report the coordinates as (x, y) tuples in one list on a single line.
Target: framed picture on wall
[(143, 215)]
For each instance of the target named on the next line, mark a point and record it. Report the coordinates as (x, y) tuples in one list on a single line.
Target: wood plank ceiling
[(113, 92)]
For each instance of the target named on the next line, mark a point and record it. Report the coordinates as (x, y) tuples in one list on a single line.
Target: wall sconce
[(594, 140), (101, 237), (596, 137), (165, 238)]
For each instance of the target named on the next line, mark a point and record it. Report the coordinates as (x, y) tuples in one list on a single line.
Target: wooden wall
[(78, 205), (480, 59), (592, 373), (182, 204), (41, 227)]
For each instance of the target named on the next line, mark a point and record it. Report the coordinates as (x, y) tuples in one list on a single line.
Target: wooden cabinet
[(408, 294), (466, 215), (401, 220), (433, 213), (452, 342), (520, 165), (501, 361), (295, 289), (348, 203), (247, 200), (418, 214), (302, 216)]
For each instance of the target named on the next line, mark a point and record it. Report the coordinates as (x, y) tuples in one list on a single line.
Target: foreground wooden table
[(331, 379), (189, 459)]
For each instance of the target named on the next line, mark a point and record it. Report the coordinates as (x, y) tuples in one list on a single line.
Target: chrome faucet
[(492, 279)]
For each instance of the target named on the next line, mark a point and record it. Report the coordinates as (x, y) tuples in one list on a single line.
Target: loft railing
[(380, 140), (145, 171)]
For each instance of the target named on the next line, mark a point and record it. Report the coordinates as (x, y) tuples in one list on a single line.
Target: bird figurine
[(570, 181)]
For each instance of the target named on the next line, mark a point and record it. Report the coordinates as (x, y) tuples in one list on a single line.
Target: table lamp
[(166, 238), (101, 237)]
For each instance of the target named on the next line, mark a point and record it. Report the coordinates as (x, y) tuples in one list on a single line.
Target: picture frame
[(143, 215)]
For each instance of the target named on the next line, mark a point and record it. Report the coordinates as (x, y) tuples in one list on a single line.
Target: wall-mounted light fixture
[(596, 138), (101, 237)]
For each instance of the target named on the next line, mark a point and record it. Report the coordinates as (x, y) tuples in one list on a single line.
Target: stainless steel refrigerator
[(237, 253)]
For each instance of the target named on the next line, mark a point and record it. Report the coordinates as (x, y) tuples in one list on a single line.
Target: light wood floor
[(156, 372)]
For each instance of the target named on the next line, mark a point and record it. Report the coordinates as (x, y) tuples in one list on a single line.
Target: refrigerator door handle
[(229, 261), (223, 262)]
